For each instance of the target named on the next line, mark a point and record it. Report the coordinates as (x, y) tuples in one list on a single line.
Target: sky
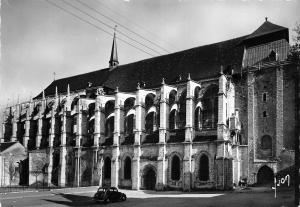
[(39, 39)]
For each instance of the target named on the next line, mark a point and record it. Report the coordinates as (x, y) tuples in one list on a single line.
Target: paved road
[(83, 197)]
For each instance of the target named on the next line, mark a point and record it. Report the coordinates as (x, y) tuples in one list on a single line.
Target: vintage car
[(110, 194)]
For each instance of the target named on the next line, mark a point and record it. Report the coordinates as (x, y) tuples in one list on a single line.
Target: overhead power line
[(134, 23), (96, 26), (119, 24), (119, 32)]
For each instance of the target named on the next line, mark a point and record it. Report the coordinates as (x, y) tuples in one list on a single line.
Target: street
[(83, 197)]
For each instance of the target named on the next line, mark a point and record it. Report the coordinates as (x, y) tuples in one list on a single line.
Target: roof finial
[(266, 18), (163, 81), (117, 89), (56, 91), (68, 90), (43, 96), (221, 70), (189, 77), (138, 86)]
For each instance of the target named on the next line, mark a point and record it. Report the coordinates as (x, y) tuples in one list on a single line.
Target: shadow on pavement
[(74, 200), (233, 200)]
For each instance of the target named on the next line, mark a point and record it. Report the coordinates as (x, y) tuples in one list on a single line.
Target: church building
[(202, 118)]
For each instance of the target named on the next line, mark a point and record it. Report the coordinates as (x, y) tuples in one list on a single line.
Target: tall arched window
[(175, 168), (204, 168), (129, 119), (109, 127), (172, 120), (182, 111), (129, 124), (149, 101), (210, 108), (109, 122), (266, 142), (127, 168), (107, 168), (198, 119), (149, 122), (172, 97)]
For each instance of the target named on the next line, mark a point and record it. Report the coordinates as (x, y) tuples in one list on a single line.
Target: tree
[(38, 167), (11, 169), (295, 48)]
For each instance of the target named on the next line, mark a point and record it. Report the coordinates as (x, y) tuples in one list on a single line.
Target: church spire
[(113, 62)]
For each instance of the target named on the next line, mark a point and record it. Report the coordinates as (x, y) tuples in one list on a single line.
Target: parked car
[(110, 194)]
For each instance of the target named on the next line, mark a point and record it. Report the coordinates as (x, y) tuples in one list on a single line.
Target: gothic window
[(107, 168), (198, 117), (74, 103), (210, 108), (172, 119), (149, 123), (129, 124), (127, 168), (172, 97), (91, 127), (109, 108), (109, 127), (197, 93), (109, 123), (182, 111), (149, 101), (175, 168), (266, 142), (91, 110), (204, 168), (129, 119), (128, 104)]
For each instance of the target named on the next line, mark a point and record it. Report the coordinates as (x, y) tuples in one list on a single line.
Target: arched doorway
[(265, 176), (150, 179), (24, 170), (204, 168)]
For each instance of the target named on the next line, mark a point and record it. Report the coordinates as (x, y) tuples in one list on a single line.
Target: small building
[(13, 169)]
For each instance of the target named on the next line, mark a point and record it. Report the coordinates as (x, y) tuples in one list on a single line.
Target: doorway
[(150, 179), (265, 176)]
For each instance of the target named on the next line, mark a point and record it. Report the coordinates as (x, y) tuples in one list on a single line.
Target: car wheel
[(123, 198), (106, 200)]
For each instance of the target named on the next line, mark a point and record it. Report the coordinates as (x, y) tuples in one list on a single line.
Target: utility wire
[(122, 33), (96, 26), (137, 25), (119, 24)]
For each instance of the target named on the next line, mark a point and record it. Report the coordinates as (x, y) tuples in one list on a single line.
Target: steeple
[(113, 62)]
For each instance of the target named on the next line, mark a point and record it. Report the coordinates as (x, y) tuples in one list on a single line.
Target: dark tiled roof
[(201, 62), (266, 28), (6, 145), (76, 82)]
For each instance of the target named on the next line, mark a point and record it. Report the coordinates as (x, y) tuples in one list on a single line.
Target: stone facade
[(186, 135)]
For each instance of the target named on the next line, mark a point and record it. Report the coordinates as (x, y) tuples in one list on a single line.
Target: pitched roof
[(266, 28), (6, 145), (76, 82), (201, 62)]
